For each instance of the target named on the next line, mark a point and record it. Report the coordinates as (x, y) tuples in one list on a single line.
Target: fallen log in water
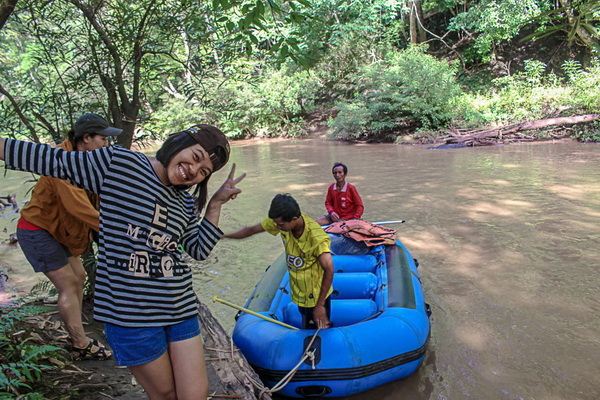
[(513, 132), (229, 373)]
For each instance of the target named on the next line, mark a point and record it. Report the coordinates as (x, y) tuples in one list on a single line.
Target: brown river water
[(507, 238)]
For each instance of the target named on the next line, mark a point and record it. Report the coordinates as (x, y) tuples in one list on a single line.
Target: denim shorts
[(43, 252), (137, 346)]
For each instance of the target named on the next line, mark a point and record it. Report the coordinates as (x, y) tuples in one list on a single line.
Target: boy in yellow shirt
[(308, 258)]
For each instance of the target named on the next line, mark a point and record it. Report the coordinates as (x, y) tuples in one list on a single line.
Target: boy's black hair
[(285, 207), (339, 164)]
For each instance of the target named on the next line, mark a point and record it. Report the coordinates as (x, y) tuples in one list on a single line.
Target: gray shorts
[(43, 252)]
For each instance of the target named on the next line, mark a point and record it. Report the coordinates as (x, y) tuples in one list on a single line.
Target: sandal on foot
[(86, 353), (69, 345)]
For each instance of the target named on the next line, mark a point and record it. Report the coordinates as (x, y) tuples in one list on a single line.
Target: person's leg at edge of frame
[(80, 275), (189, 368), (69, 307)]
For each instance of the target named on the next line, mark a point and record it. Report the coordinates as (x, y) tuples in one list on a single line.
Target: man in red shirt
[(342, 201)]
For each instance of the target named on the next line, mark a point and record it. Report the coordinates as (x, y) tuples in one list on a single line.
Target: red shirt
[(28, 226), (346, 202)]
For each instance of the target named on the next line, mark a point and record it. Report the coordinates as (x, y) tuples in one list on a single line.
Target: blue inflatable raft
[(380, 334)]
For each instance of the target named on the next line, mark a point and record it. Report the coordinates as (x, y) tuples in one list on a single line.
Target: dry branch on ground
[(515, 131)]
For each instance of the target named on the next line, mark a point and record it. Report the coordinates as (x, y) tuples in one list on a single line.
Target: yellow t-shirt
[(305, 271)]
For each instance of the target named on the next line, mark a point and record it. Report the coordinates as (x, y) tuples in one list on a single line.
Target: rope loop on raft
[(288, 377)]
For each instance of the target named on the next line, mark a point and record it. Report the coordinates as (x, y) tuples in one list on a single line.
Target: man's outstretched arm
[(245, 232)]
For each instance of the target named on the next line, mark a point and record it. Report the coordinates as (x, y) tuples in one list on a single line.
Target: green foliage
[(256, 68), (585, 85), (471, 111), (411, 88), (63, 58), (524, 96), (274, 106), (267, 25), (263, 102), (22, 361), (44, 286), (173, 115), (260, 95), (345, 35), (90, 262), (587, 132), (536, 94), (11, 316), (579, 19), (491, 21)]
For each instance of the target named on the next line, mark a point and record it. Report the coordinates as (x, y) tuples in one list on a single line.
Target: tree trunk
[(228, 371), (417, 32), (421, 35), (123, 104), (6, 9)]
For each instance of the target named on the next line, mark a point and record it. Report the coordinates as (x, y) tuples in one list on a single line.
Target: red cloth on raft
[(363, 231)]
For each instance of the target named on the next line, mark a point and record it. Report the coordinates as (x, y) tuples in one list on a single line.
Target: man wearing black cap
[(54, 230), (93, 123)]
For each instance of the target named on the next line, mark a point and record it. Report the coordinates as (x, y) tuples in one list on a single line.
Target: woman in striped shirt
[(149, 212)]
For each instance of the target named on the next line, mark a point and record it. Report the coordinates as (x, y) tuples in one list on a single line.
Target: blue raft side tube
[(352, 359), (344, 263), (401, 285), (407, 279), (265, 290), (358, 285)]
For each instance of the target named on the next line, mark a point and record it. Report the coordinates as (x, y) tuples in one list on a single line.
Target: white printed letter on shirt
[(166, 263), (160, 216), (139, 263)]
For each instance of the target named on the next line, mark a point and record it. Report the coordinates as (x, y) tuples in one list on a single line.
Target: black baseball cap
[(213, 141), (94, 123)]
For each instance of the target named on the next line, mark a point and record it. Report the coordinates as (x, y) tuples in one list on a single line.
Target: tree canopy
[(259, 67)]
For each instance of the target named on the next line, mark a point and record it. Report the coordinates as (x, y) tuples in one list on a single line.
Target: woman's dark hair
[(285, 207), (175, 143), (339, 164)]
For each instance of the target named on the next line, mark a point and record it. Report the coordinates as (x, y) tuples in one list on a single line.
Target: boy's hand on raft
[(320, 316)]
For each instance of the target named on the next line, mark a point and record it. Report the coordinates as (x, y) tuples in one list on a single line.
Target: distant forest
[(376, 70)]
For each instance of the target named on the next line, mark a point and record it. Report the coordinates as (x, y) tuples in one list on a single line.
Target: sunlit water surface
[(507, 238)]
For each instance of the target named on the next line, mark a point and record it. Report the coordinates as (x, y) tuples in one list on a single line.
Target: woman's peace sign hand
[(228, 190)]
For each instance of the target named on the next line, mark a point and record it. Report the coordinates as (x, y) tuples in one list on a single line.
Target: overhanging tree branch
[(6, 9), (21, 114)]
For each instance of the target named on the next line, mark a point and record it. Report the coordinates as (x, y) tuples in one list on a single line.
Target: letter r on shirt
[(139, 263)]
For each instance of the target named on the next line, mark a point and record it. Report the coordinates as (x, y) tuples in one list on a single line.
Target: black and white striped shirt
[(141, 279)]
